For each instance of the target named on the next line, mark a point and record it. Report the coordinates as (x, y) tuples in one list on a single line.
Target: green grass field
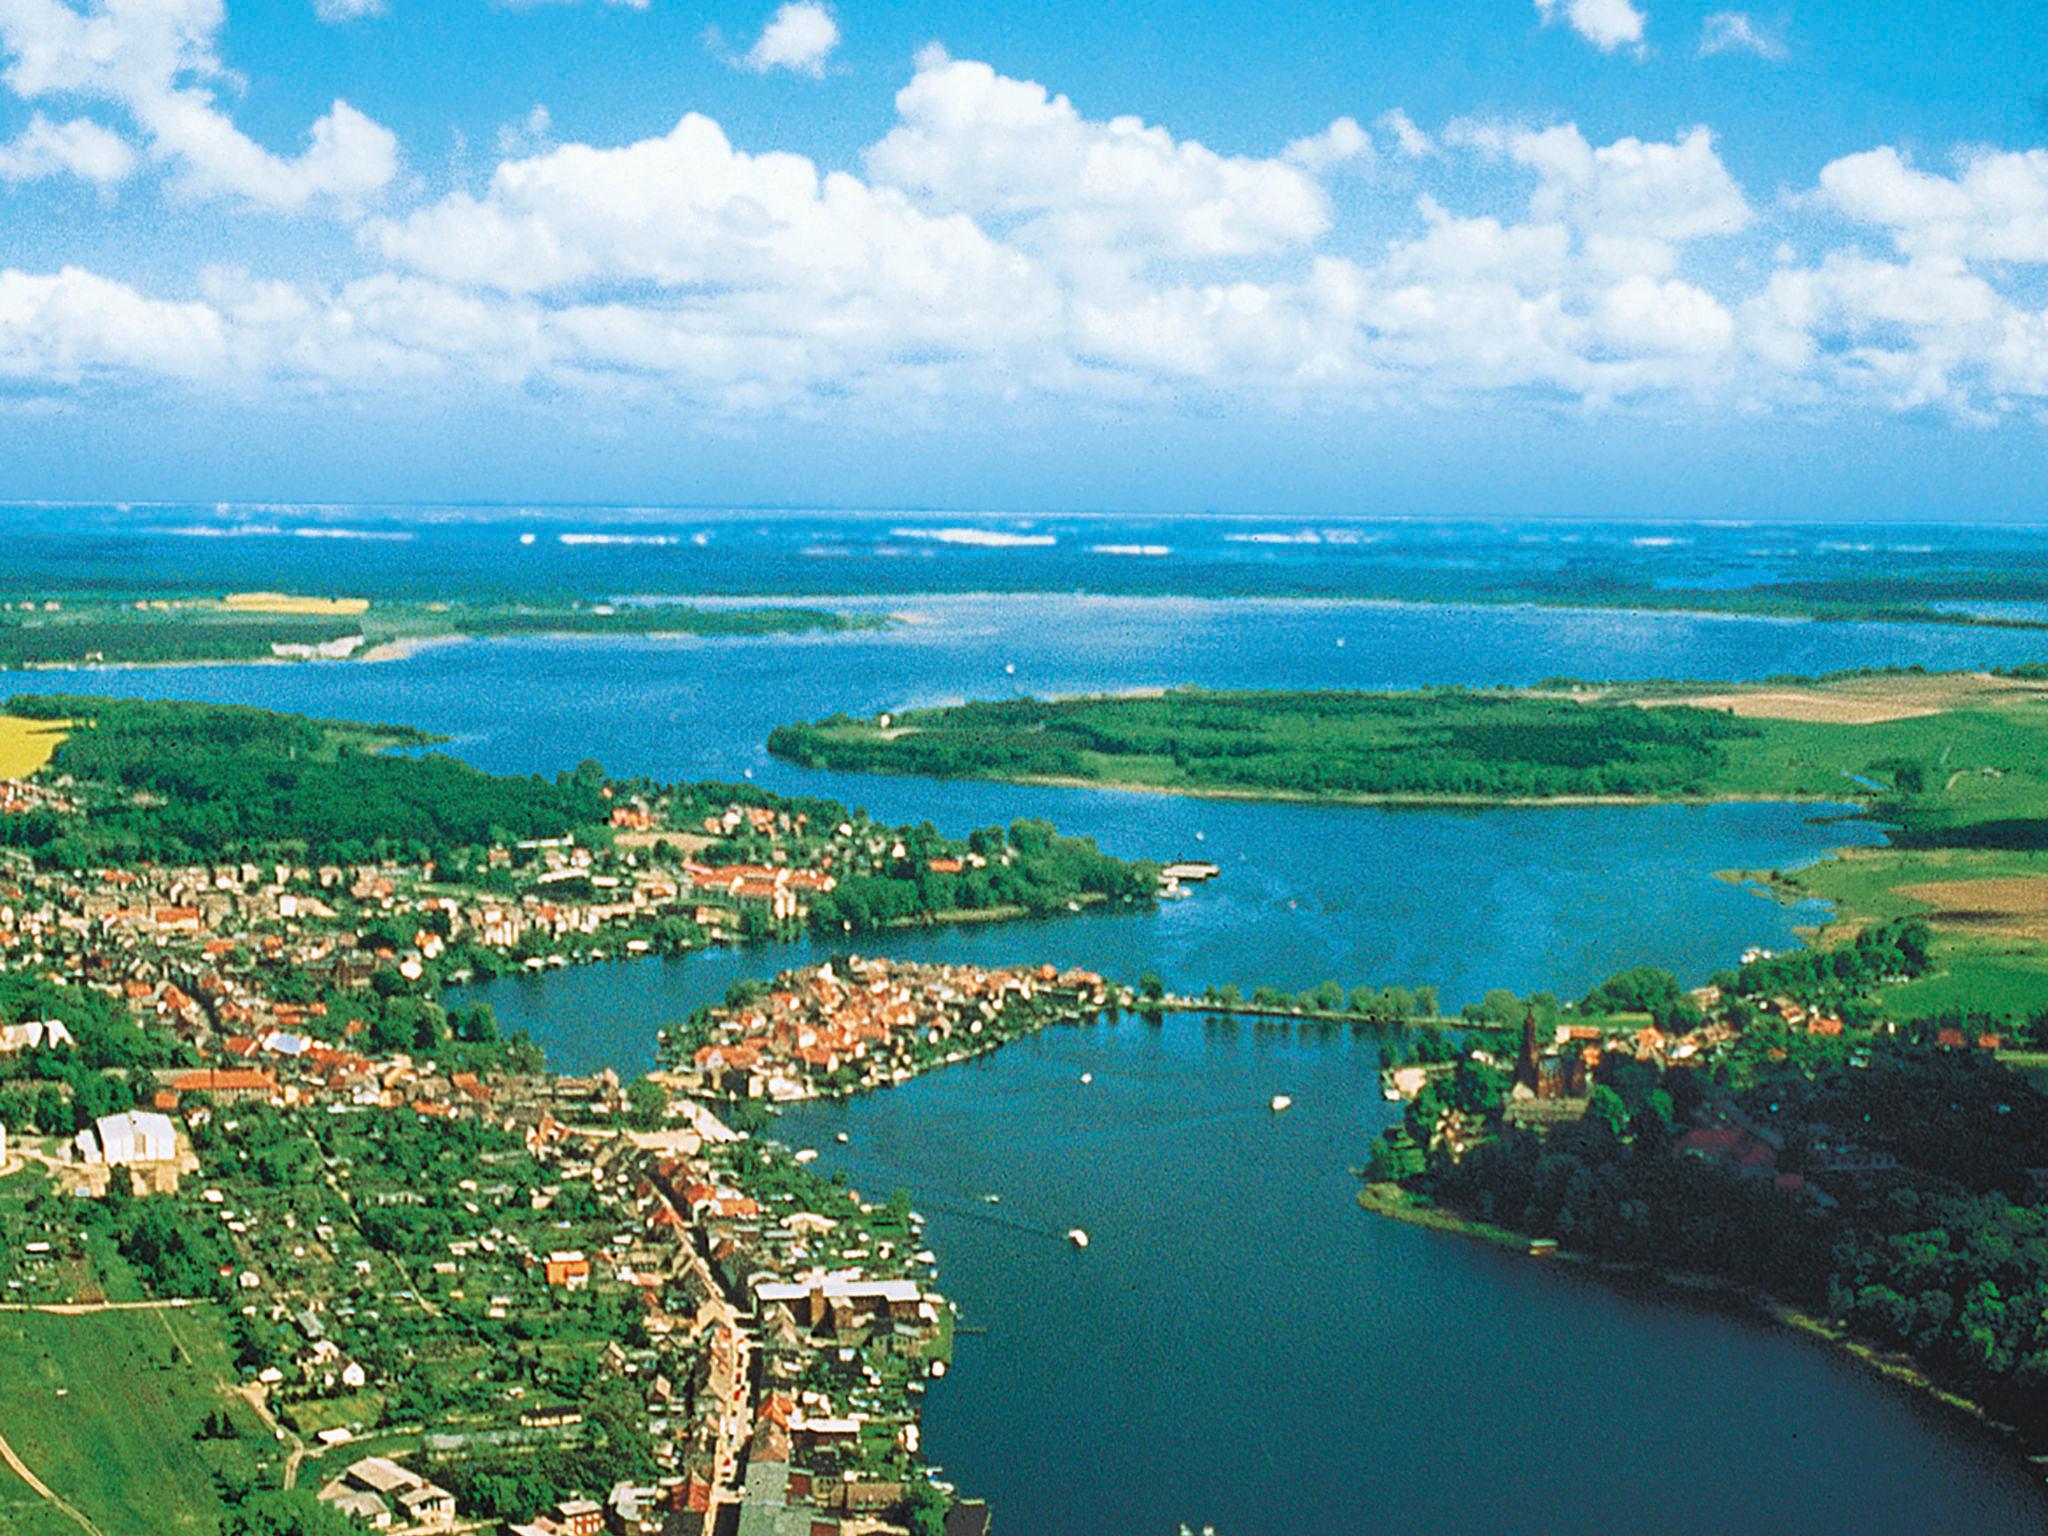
[(2005, 978), (22, 1513), (103, 1408)]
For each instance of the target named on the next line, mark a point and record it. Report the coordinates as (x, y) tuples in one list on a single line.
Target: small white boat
[(993, 1199), (1087, 1078), (808, 1155), (1077, 1237), (1280, 1102), (842, 1138)]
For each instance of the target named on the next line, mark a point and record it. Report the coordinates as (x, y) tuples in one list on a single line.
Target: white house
[(36, 1034)]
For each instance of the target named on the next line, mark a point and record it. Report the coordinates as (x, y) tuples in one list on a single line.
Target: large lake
[(1240, 1344)]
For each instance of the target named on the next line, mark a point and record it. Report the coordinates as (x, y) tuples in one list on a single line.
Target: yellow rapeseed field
[(281, 602), (25, 745)]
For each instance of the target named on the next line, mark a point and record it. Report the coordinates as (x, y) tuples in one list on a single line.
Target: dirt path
[(44, 1491), (258, 1400), (87, 1308)]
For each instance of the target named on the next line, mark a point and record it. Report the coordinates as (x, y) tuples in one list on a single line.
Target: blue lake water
[(597, 552), (1240, 1344), (704, 707)]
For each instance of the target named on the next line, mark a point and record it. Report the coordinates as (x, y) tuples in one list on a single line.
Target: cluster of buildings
[(383, 1494), (789, 1327), (857, 1023), (1554, 1071), (786, 1329), (817, 1329), (18, 797), (198, 947)]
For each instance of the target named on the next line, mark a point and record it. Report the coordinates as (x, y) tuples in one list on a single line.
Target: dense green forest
[(1438, 742), (1029, 867), (159, 637), (208, 780)]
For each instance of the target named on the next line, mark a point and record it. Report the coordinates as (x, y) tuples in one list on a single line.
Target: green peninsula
[(1849, 736), (1957, 763), (275, 626)]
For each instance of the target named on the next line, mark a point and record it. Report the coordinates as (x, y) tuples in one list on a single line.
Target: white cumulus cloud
[(1606, 24), (999, 246), (80, 148), (800, 37), (157, 60), (746, 245), (1631, 189), (973, 141), (72, 324), (1644, 315), (1342, 143), (1995, 210)]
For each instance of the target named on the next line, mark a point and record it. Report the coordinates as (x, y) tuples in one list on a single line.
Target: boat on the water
[(1281, 1101), (1077, 1237)]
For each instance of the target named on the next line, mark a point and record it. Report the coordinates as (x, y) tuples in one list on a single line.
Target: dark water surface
[(1240, 1344)]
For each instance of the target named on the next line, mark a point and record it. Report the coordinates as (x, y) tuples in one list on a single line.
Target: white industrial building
[(134, 1136)]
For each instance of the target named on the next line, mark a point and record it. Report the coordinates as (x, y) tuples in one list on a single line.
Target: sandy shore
[(411, 646)]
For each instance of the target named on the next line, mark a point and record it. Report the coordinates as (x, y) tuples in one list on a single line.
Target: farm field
[(284, 602), (26, 745)]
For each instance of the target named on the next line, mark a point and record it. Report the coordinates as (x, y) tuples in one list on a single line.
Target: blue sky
[(1624, 257)]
